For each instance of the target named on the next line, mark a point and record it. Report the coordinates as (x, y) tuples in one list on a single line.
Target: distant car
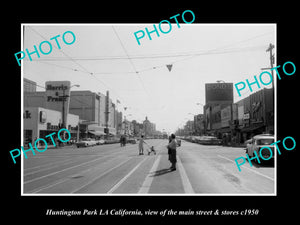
[(258, 142), (209, 140), (85, 142), (178, 142), (131, 140), (100, 142)]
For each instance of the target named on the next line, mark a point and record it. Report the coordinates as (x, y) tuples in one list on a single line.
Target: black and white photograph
[(164, 114)]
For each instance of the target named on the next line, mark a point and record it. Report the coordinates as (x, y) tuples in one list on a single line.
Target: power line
[(130, 60), (151, 56), (190, 55), (60, 50), (73, 60)]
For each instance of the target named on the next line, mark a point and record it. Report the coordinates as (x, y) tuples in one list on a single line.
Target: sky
[(108, 57)]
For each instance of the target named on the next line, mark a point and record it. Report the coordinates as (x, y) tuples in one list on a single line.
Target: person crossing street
[(141, 145), (172, 151)]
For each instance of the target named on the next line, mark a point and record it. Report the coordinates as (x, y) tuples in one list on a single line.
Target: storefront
[(98, 132), (39, 122)]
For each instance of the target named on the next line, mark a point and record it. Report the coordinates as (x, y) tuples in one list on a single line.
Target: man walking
[(172, 152)]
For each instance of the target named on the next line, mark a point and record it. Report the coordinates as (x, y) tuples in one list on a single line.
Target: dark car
[(131, 140)]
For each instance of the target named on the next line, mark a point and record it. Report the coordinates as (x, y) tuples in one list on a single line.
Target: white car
[(85, 142), (100, 142), (259, 141)]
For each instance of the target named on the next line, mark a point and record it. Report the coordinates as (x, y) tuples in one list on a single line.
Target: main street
[(111, 169)]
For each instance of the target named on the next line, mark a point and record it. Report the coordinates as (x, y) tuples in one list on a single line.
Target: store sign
[(58, 96), (246, 116), (43, 116), (225, 116), (52, 127), (216, 92), (27, 114)]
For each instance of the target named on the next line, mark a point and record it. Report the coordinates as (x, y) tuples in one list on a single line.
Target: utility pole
[(270, 49), (64, 96), (107, 114)]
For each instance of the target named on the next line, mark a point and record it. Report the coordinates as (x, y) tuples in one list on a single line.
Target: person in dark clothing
[(172, 151)]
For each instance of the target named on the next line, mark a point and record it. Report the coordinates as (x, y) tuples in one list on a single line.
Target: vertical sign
[(58, 97)]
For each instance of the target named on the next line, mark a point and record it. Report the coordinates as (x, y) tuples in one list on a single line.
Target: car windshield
[(265, 141)]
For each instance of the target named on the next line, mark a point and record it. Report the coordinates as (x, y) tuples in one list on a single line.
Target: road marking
[(270, 178), (101, 175), (29, 181), (125, 177), (184, 178), (149, 178), (62, 180)]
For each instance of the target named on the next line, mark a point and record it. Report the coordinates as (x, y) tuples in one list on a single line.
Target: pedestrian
[(121, 140), (141, 145), (124, 140), (172, 151)]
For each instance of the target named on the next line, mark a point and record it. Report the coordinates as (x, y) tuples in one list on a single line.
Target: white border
[(150, 194)]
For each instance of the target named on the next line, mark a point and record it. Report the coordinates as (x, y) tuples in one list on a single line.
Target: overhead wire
[(130, 60), (69, 57), (74, 61), (190, 55), (187, 55)]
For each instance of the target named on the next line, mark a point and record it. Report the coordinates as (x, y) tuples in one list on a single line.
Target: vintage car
[(100, 142), (259, 141), (209, 140), (131, 140), (85, 142)]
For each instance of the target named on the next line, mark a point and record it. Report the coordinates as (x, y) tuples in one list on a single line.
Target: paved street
[(110, 169)]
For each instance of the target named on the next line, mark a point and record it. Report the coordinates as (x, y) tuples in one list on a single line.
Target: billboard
[(216, 117), (207, 118), (226, 116), (218, 92)]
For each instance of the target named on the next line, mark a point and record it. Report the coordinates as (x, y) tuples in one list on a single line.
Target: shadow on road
[(161, 172)]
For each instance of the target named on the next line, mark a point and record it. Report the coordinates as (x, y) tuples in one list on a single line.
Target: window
[(265, 141)]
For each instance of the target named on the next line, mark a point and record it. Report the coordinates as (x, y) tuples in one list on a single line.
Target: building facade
[(149, 129), (95, 110), (29, 85), (39, 122), (238, 122)]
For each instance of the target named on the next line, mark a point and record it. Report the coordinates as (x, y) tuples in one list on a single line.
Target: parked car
[(131, 140), (259, 141), (209, 140), (85, 142), (100, 142), (178, 142)]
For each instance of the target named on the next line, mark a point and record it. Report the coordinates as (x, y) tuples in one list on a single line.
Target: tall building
[(255, 114), (149, 128), (29, 85)]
